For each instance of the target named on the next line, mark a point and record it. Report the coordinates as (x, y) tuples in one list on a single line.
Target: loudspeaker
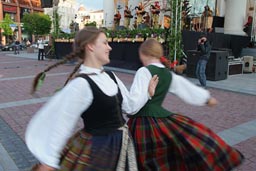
[(46, 3), (216, 68), (218, 21), (248, 63)]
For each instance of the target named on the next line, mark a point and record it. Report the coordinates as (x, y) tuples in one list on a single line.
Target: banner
[(10, 9)]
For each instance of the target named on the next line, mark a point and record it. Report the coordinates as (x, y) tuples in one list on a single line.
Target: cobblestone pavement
[(234, 118)]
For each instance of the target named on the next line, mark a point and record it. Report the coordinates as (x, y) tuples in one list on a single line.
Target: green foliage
[(37, 23), (142, 33), (5, 25), (66, 35), (56, 24), (91, 24)]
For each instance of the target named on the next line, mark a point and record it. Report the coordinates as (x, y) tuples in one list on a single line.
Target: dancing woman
[(167, 141)]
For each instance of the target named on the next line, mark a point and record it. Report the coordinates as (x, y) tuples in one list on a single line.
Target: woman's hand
[(152, 85), (212, 102), (42, 167)]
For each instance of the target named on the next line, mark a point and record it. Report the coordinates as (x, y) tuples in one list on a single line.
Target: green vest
[(153, 107)]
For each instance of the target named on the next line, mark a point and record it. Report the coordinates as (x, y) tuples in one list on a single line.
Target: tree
[(37, 23), (5, 25)]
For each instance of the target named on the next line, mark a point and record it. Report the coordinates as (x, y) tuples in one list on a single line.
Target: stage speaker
[(218, 21), (216, 68), (46, 3), (248, 63)]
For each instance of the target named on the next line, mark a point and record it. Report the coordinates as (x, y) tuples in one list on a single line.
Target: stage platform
[(125, 54)]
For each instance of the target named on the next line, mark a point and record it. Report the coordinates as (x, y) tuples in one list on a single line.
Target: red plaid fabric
[(178, 143)]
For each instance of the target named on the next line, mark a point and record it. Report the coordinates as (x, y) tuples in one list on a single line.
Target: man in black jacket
[(205, 49)]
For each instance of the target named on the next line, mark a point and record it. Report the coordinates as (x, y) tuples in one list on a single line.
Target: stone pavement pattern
[(17, 106)]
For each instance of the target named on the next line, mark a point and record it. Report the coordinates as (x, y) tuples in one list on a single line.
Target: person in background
[(117, 18), (204, 47), (205, 19), (41, 53), (140, 11), (207, 12), (17, 47), (127, 16), (99, 98), (146, 20), (155, 10), (167, 141)]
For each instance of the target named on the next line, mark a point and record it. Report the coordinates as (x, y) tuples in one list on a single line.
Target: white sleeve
[(51, 127), (138, 96), (188, 92)]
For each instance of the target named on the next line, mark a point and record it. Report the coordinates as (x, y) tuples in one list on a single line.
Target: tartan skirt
[(111, 152), (178, 143)]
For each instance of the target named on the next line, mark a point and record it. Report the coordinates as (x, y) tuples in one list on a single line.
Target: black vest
[(104, 115)]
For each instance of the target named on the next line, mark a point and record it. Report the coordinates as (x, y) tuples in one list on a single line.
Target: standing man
[(205, 49), (117, 18), (140, 12), (127, 17), (206, 21), (155, 10), (41, 53)]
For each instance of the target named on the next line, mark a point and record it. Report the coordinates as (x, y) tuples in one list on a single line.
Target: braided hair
[(87, 35)]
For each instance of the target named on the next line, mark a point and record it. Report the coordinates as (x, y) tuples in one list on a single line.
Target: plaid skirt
[(178, 143), (112, 152)]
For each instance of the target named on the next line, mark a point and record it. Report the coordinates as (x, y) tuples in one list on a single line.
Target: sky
[(91, 4)]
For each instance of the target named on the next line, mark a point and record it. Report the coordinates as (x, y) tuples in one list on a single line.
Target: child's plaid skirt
[(178, 143), (111, 152)]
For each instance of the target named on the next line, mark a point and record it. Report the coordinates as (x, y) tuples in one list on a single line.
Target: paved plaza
[(234, 118)]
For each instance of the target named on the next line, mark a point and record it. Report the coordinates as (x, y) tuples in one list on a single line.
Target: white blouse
[(51, 127)]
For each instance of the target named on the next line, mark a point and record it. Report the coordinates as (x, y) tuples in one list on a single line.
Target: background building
[(97, 16), (16, 9), (78, 14)]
